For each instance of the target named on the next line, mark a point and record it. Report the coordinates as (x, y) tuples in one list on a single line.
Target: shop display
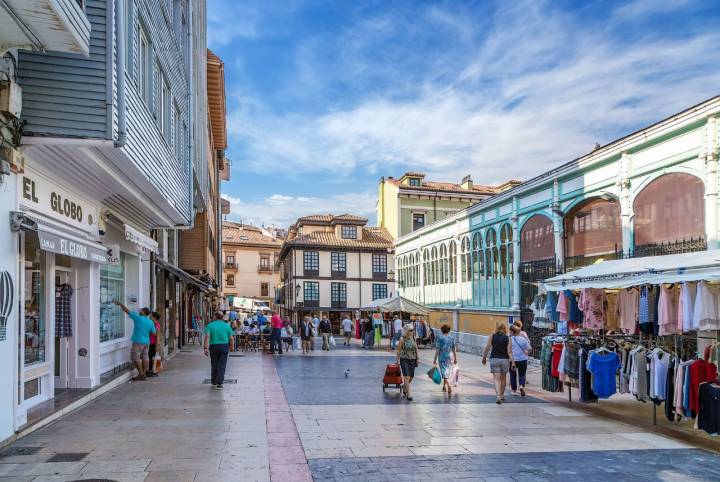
[(112, 287)]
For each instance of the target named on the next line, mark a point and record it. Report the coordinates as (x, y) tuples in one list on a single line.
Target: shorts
[(499, 365), (348, 333), (407, 366), (139, 352)]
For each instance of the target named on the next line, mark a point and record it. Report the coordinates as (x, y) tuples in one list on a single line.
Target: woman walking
[(445, 345), (306, 334), (407, 358), (501, 358), (520, 351)]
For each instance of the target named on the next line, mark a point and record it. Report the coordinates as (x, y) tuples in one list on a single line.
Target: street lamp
[(391, 275), (297, 290)]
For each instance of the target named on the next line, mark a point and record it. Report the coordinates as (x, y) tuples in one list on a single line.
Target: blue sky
[(325, 97)]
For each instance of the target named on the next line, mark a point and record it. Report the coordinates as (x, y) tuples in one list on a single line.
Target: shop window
[(112, 287), (35, 302), (593, 228), (669, 209), (536, 239)]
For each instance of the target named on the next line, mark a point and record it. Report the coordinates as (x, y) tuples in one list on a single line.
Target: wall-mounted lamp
[(297, 290)]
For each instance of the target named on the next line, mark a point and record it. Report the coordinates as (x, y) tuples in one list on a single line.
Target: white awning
[(624, 273), (141, 240), (395, 304)]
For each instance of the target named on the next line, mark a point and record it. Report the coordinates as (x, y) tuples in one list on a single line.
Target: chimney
[(467, 182)]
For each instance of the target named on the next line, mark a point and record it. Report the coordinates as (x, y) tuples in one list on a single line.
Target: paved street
[(296, 417)]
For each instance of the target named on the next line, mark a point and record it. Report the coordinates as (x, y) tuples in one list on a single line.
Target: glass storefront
[(34, 301), (112, 287)]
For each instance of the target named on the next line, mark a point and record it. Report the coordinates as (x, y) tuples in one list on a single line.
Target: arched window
[(593, 228), (417, 269), (476, 257), (506, 251), (491, 254), (670, 208), (426, 267), (434, 273), (443, 264), (465, 263), (536, 239), (452, 262)]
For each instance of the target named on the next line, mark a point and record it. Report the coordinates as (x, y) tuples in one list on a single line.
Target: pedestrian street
[(299, 417)]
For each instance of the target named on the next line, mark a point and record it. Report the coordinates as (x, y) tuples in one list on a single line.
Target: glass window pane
[(592, 228), (112, 287), (537, 239), (34, 301)]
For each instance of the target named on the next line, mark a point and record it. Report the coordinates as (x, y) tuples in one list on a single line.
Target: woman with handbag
[(501, 358), (445, 345), (407, 358), (306, 334)]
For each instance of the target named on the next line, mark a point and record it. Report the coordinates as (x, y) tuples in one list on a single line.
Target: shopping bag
[(437, 378), (455, 376), (296, 343), (431, 372), (332, 340), (157, 364)]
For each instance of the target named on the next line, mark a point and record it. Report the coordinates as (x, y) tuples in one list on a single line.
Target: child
[(154, 337)]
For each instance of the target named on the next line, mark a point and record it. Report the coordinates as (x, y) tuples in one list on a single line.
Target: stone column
[(711, 183), (516, 256), (626, 208), (557, 220)]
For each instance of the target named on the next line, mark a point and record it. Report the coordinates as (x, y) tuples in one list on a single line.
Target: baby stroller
[(393, 376)]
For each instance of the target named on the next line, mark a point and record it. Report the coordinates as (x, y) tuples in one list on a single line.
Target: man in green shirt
[(219, 341)]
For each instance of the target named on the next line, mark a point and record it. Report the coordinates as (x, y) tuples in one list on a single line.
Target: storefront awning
[(204, 287), (55, 240), (624, 273), (141, 240)]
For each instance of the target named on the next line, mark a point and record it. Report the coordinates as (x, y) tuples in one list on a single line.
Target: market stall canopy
[(624, 273), (396, 303)]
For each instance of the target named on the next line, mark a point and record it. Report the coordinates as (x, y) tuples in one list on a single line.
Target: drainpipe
[(191, 118), (120, 67)]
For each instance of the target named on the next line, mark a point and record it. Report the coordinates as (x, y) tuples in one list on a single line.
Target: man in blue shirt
[(142, 327)]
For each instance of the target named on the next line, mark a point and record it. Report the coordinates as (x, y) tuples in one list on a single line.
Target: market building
[(249, 269), (409, 203), (334, 265), (652, 192), (100, 178)]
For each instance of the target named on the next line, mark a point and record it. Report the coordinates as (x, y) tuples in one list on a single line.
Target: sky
[(326, 97)]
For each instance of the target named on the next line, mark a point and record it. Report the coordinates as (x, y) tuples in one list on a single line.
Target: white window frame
[(144, 77)]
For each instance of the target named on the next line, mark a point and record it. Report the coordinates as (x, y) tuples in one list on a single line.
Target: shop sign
[(39, 194), (141, 240), (69, 247), (113, 251)]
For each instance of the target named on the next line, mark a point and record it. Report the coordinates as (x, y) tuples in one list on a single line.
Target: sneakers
[(218, 387), (514, 393), (522, 392), (138, 378), (151, 374)]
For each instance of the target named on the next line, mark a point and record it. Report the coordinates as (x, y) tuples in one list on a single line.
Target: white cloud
[(537, 91), (282, 210)]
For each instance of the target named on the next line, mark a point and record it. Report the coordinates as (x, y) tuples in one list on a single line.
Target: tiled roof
[(236, 233), (432, 186), (372, 238), (330, 219)]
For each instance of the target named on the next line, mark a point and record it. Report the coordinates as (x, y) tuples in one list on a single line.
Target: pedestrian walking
[(397, 331), (218, 344), (369, 335), (501, 358), (347, 326), (521, 332), (325, 331), (142, 328), (444, 348), (407, 358), (276, 333), (315, 328), (306, 334), (520, 351), (152, 349)]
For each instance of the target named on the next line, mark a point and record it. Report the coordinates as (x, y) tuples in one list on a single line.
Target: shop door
[(62, 344)]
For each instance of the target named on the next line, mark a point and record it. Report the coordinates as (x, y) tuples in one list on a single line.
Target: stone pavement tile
[(42, 468), (171, 476), (240, 464), (28, 478), (291, 472), (381, 451), (283, 439), (655, 440), (286, 455), (133, 465), (115, 477), (161, 464), (329, 453), (254, 475), (439, 450), (245, 453)]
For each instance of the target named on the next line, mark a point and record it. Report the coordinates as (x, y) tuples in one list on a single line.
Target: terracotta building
[(249, 260)]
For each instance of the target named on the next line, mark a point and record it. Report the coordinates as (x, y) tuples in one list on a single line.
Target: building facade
[(249, 269), (652, 192), (103, 163), (335, 265), (409, 203)]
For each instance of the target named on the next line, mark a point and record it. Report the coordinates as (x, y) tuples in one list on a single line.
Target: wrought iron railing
[(670, 247)]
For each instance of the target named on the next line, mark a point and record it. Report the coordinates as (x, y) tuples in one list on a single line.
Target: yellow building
[(410, 202)]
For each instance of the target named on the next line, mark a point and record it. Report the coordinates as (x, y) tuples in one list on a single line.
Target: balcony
[(265, 268), (45, 25), (232, 266)]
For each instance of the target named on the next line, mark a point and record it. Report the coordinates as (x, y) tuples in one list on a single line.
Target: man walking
[(142, 328), (276, 334), (325, 331), (347, 326), (219, 341), (397, 331), (316, 327)]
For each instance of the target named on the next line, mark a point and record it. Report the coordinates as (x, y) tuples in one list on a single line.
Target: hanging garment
[(586, 392), (551, 306), (593, 304), (647, 309), (667, 310), (670, 390), (686, 304), (705, 311), (700, 372), (709, 408), (627, 309), (562, 307), (611, 315), (679, 388), (603, 367), (575, 315), (639, 375), (659, 363), (63, 311), (557, 349)]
